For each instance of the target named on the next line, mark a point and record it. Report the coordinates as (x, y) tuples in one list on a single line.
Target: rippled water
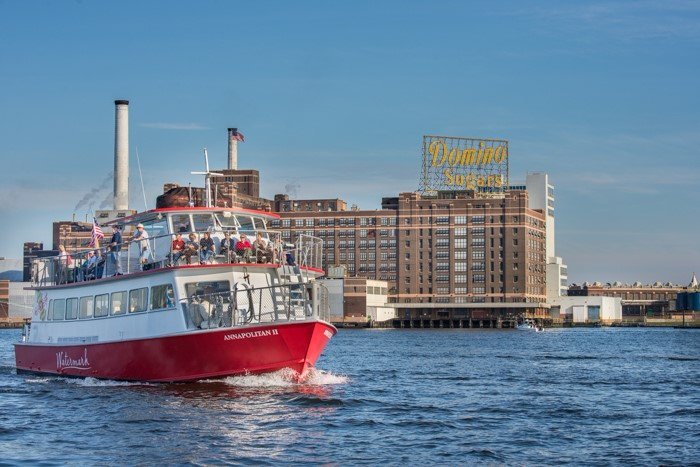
[(594, 396)]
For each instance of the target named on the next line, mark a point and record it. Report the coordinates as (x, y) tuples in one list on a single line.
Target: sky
[(334, 97)]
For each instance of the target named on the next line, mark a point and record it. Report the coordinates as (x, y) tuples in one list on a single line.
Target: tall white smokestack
[(233, 148), (121, 155)]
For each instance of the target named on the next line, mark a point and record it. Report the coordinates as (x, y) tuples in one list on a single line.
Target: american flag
[(97, 233), (237, 135)]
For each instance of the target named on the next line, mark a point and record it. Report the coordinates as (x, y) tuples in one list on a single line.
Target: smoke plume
[(89, 197)]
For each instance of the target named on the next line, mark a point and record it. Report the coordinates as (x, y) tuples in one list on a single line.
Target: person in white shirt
[(141, 236)]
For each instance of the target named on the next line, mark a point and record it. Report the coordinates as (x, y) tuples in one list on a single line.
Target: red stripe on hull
[(186, 357)]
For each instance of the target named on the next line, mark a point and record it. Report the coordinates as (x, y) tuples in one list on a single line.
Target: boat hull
[(185, 357)]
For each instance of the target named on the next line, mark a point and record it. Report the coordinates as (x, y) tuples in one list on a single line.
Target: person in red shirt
[(176, 249), (244, 249)]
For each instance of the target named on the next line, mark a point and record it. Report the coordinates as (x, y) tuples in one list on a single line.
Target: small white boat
[(526, 325)]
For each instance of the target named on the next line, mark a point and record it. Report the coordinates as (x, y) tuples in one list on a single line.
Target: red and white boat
[(163, 320)]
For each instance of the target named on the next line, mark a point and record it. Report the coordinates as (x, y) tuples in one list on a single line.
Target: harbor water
[(575, 396)]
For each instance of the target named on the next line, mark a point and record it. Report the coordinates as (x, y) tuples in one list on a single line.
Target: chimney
[(232, 148), (121, 155)]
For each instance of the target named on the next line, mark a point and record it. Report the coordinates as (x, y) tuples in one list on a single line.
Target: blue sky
[(333, 98)]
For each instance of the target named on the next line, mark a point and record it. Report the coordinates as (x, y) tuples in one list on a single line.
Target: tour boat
[(158, 319)]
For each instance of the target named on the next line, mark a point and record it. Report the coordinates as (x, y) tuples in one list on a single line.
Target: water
[(593, 396)]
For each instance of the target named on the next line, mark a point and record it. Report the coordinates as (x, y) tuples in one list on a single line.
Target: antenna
[(143, 189), (207, 178)]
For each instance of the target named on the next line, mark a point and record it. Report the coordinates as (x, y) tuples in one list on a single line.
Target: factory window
[(363, 232), (298, 222), (443, 267), (515, 266), (478, 219), (372, 255), (442, 231), (478, 242), (460, 231), (442, 278), (478, 278), (460, 279), (478, 231), (460, 220), (460, 242), (351, 256), (442, 242), (86, 307), (363, 256), (442, 220), (286, 222), (275, 223), (460, 266), (478, 266), (479, 289), (460, 255), (384, 221), (441, 255), (309, 222), (515, 278), (515, 241), (384, 256), (478, 254), (460, 290)]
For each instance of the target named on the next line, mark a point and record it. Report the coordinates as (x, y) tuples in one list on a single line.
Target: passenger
[(228, 247), (176, 249), (65, 262), (289, 257), (141, 236), (91, 269), (115, 246), (262, 248), (191, 248), (207, 250), (244, 249)]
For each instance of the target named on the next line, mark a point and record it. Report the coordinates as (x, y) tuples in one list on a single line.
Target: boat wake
[(284, 378), (84, 382)]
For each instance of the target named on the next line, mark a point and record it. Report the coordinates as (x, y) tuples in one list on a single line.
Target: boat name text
[(251, 334), (65, 361)]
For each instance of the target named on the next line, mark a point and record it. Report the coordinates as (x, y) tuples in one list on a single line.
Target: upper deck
[(155, 249)]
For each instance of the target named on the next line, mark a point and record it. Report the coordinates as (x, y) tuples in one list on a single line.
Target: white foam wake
[(285, 377)]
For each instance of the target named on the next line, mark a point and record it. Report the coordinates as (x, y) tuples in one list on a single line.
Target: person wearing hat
[(141, 236), (115, 246)]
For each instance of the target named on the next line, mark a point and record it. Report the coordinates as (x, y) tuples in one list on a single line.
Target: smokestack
[(232, 148), (121, 155)]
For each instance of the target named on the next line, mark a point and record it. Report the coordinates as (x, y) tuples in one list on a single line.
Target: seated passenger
[(206, 246), (244, 249), (228, 247), (176, 249), (289, 257), (191, 248), (262, 248)]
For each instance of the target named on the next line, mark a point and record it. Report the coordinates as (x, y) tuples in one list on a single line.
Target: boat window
[(72, 308), (203, 222), (246, 223), (227, 223), (259, 223), (162, 296), (181, 223), (156, 227), (101, 305), (86, 307), (59, 309), (138, 300), (206, 288), (49, 311), (118, 303)]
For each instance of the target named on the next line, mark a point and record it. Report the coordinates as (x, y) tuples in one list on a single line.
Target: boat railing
[(245, 305), (156, 252)]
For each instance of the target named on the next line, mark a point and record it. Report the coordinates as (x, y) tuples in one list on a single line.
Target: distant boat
[(526, 325)]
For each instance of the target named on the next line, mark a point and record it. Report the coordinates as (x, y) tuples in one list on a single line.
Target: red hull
[(185, 357)]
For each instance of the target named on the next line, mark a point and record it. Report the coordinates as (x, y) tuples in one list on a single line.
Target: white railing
[(247, 305), (156, 252)]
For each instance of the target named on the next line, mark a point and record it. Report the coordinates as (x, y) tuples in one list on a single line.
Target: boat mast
[(207, 179)]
